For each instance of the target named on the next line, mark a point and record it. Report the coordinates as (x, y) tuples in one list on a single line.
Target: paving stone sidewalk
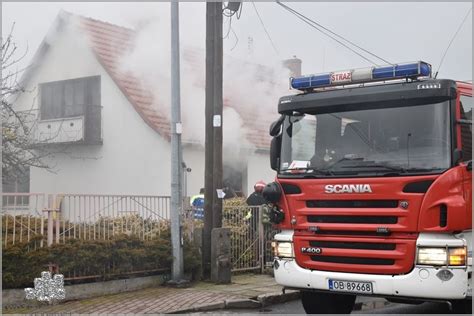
[(246, 291)]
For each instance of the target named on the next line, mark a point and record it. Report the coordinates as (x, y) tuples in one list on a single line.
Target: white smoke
[(251, 90)]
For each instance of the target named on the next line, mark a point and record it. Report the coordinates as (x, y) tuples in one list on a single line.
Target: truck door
[(466, 144)]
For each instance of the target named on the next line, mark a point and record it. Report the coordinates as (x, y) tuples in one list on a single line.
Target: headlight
[(442, 256), (283, 249), (457, 256)]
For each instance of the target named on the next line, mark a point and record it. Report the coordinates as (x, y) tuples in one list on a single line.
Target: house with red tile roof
[(112, 136)]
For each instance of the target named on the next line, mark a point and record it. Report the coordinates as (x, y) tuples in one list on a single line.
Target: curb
[(264, 300), (279, 297), (200, 308), (244, 303)]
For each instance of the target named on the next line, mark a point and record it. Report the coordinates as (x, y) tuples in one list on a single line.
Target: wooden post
[(261, 236)]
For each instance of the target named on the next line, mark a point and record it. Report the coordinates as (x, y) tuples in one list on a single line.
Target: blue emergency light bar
[(408, 70)]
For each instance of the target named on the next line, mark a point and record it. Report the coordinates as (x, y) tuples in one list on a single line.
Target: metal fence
[(23, 218), (103, 216), (57, 218)]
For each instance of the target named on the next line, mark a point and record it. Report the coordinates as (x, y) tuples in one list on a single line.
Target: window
[(17, 183), (466, 127), (375, 142), (69, 98)]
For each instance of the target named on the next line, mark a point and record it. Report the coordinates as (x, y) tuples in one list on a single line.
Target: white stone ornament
[(47, 288)]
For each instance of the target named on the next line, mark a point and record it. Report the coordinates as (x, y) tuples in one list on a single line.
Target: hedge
[(107, 259)]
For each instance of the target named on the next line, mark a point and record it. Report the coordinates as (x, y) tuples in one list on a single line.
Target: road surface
[(295, 307)]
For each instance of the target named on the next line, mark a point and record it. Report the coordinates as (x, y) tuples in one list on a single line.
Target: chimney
[(294, 65)]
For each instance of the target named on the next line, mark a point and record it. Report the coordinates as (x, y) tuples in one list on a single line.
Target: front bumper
[(421, 282)]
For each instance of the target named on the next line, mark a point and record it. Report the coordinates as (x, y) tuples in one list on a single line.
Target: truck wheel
[(327, 303), (461, 306)]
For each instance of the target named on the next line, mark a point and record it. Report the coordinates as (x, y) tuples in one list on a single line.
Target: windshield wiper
[(342, 160), (308, 172), (324, 172), (329, 169), (414, 169), (394, 168)]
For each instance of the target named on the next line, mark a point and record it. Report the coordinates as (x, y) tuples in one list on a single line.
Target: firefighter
[(197, 204), (256, 199)]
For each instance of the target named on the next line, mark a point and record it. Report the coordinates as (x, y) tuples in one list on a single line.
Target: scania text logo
[(311, 250), (348, 188)]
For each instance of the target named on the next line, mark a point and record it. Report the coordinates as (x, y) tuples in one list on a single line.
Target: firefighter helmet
[(258, 187)]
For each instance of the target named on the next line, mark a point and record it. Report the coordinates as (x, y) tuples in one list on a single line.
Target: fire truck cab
[(373, 194)]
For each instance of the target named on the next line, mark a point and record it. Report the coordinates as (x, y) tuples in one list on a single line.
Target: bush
[(104, 258)]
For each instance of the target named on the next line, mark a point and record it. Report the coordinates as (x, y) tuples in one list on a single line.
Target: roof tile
[(111, 42)]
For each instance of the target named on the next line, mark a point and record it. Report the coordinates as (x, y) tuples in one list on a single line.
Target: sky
[(397, 32)]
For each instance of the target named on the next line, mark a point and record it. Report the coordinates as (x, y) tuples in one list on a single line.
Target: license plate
[(350, 286)]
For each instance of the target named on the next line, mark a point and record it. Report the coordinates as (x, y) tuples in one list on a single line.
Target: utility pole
[(213, 139), (176, 151), (209, 141), (218, 118)]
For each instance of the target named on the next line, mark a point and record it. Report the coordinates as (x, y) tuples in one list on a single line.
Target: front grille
[(351, 233), (349, 219), (353, 260), (352, 245), (352, 204), (356, 254)]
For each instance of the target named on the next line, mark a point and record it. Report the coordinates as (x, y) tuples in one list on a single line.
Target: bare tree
[(18, 142)]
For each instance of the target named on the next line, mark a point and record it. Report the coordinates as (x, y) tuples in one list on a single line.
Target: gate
[(250, 237)]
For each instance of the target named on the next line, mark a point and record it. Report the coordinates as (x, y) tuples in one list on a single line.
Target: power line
[(307, 21), (318, 27), (240, 11), (229, 28), (236, 39), (264, 28), (452, 40)]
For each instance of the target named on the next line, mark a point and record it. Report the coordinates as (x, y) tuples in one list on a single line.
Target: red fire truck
[(373, 194)]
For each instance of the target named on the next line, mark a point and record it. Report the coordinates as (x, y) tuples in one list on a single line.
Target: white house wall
[(258, 168), (133, 159)]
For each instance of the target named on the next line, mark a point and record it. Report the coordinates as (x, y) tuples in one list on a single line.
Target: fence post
[(50, 226), (49, 209), (42, 228), (261, 237), (57, 213), (6, 229)]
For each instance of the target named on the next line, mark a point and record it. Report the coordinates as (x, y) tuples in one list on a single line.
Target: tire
[(327, 303), (461, 306)]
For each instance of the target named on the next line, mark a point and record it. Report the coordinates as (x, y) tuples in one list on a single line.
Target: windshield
[(383, 141)]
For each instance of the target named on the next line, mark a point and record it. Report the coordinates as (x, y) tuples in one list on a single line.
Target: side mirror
[(275, 148), (469, 166), (272, 192), (275, 128)]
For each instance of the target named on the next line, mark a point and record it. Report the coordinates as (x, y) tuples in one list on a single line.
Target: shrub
[(104, 258)]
